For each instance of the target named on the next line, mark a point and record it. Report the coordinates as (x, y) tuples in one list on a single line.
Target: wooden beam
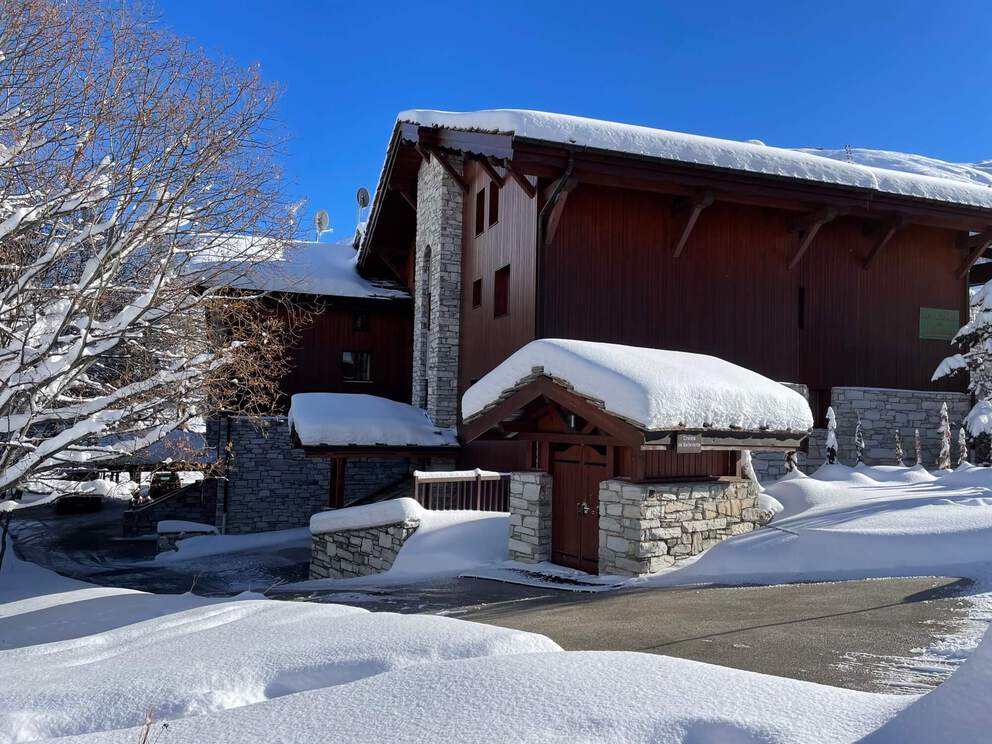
[(487, 166), (885, 234), (423, 152), (410, 200), (554, 217), (696, 204), (527, 187), (980, 273), (449, 168), (808, 225), (568, 438), (978, 244)]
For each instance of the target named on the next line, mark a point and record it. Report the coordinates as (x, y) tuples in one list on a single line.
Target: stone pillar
[(530, 517), (645, 527), (437, 302)]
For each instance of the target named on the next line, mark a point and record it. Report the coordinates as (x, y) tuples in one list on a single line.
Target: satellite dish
[(321, 221), (363, 197)]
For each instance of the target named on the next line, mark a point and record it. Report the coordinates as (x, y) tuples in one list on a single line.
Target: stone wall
[(196, 502), (364, 476), (438, 291), (530, 517), (770, 466), (167, 540), (645, 527), (360, 552), (271, 485)]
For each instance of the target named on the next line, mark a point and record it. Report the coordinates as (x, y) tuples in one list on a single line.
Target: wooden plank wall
[(610, 276)]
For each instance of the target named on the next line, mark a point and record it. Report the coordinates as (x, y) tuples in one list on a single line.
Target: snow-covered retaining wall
[(196, 502), (171, 531), (361, 540), (645, 527)]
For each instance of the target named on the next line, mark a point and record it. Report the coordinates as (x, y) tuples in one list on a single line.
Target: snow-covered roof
[(305, 267), (893, 173), (655, 389), (346, 420)]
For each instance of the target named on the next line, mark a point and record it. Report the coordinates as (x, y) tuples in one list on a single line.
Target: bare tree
[(126, 159)]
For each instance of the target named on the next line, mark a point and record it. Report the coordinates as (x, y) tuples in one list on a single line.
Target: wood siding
[(487, 341), (316, 356), (610, 276)]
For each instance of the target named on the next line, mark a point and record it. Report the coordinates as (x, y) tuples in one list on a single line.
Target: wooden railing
[(478, 490)]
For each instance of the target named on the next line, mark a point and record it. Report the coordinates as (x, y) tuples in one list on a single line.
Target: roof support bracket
[(527, 187), (487, 166), (976, 244), (695, 204), (442, 159), (884, 233), (808, 225), (554, 217)]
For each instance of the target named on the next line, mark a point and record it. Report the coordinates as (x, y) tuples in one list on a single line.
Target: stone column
[(530, 517), (437, 303)]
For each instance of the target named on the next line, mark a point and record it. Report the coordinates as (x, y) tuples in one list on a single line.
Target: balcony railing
[(477, 490)]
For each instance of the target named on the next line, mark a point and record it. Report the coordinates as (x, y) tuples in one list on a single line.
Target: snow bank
[(301, 267), (709, 151), (170, 526), (656, 389), (340, 419), (979, 419), (841, 523), (589, 696), (206, 545), (392, 511)]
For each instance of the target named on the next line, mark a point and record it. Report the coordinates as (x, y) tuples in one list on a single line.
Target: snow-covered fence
[(479, 490)]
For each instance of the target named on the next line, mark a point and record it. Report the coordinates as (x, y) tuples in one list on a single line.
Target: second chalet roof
[(654, 389), (751, 157)]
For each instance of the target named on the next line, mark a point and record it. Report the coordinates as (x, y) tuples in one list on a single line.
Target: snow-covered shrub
[(944, 430), (831, 435)]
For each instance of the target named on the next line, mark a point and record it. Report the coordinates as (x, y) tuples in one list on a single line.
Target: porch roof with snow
[(343, 424), (647, 398)]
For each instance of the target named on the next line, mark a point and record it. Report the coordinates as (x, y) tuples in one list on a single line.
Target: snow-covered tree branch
[(126, 156)]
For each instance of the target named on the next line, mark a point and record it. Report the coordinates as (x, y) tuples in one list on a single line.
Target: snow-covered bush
[(900, 455), (122, 150), (944, 430), (859, 440), (831, 435)]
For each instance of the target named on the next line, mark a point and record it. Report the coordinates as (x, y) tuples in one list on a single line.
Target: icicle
[(962, 447), (919, 446), (944, 430), (831, 435), (859, 441), (899, 453)]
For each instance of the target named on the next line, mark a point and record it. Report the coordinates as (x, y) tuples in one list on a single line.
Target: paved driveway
[(855, 634)]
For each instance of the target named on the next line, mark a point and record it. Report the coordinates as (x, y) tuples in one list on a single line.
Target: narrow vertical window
[(360, 321), (493, 203), (480, 212), (356, 366), (501, 292), (476, 293)]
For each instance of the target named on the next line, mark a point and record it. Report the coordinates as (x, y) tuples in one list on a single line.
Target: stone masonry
[(196, 502), (530, 517), (882, 410), (359, 552), (271, 485), (438, 291), (644, 527)]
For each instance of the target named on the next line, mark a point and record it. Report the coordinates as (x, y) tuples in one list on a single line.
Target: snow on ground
[(887, 175), (47, 490), (206, 545), (341, 419), (654, 388), (169, 526)]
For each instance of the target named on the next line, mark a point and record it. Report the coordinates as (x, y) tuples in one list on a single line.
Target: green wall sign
[(938, 324)]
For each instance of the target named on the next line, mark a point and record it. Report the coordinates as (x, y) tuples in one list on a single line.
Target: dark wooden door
[(576, 472)]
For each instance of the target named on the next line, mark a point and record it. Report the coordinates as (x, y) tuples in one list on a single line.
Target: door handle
[(584, 508)]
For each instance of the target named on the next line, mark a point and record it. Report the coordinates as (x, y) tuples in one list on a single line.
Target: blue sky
[(908, 75)]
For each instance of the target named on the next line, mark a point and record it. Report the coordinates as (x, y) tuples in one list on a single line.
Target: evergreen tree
[(899, 453), (944, 430), (919, 447), (962, 447), (859, 441), (831, 435)]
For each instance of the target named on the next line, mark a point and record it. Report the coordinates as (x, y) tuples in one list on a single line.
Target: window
[(476, 293), (501, 292), (360, 321), (356, 366), (493, 203), (480, 212)]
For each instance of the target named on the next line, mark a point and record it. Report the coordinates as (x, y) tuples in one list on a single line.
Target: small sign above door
[(688, 443)]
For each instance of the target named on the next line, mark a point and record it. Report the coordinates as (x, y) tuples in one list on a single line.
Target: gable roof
[(751, 157)]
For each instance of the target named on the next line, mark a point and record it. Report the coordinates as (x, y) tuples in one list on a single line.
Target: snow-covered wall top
[(306, 267), (342, 420), (391, 511), (658, 390), (884, 175)]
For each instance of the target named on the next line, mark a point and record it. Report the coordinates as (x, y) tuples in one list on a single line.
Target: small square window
[(476, 293), (480, 212), (360, 321), (356, 366), (501, 292), (493, 203)]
